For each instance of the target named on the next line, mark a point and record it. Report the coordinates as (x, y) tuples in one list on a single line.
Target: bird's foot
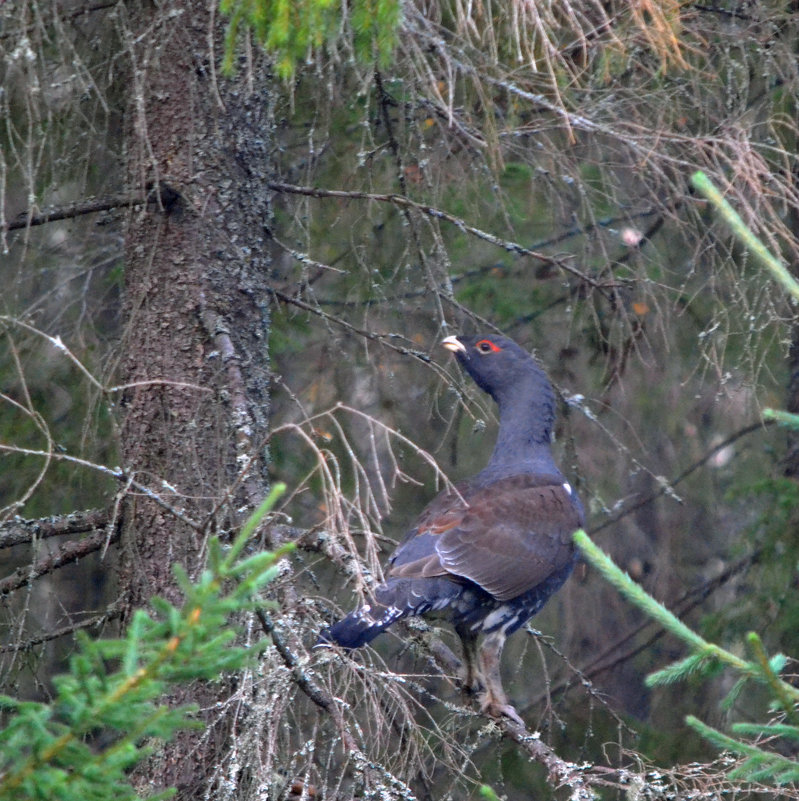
[(498, 708)]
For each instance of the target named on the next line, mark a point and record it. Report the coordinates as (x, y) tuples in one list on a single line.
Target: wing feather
[(508, 537)]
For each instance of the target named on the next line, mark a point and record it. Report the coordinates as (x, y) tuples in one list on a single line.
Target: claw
[(495, 709)]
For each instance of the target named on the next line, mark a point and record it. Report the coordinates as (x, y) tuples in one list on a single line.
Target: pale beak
[(453, 344)]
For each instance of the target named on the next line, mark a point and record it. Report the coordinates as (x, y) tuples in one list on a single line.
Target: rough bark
[(195, 347)]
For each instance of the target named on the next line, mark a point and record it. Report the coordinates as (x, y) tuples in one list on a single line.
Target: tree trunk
[(194, 352)]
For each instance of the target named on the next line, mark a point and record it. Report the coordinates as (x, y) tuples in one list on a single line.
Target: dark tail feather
[(397, 598), (361, 626)]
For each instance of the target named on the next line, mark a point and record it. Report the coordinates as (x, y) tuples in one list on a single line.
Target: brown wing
[(417, 557), (512, 536)]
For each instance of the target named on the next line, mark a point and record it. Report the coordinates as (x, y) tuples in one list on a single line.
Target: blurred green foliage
[(291, 30)]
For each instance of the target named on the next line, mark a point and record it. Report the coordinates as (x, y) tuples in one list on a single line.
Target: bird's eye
[(487, 346)]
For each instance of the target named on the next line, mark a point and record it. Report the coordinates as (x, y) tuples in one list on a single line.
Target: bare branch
[(65, 554), (383, 339), (19, 531), (30, 218), (116, 473), (559, 771)]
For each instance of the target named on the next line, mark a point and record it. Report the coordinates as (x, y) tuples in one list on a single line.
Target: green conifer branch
[(783, 418), (705, 651), (759, 764), (745, 236), (43, 749), (786, 694)]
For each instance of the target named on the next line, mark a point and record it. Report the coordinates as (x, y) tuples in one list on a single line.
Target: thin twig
[(116, 473), (405, 203), (111, 613), (383, 339), (667, 487)]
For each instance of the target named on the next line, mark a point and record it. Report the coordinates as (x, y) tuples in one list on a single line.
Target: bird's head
[(508, 373), (497, 364)]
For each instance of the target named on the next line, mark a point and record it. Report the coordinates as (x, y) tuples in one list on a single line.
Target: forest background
[(217, 276)]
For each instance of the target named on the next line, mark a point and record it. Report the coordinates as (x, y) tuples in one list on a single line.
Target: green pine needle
[(744, 235), (293, 30), (701, 666)]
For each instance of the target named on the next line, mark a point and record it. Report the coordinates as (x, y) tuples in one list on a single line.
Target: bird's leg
[(493, 700), (470, 672)]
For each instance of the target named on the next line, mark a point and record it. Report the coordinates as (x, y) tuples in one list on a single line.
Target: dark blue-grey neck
[(526, 420)]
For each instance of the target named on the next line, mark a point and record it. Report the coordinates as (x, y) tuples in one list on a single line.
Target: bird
[(489, 551)]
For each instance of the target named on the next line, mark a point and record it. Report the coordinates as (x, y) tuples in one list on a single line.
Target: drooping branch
[(383, 339)]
